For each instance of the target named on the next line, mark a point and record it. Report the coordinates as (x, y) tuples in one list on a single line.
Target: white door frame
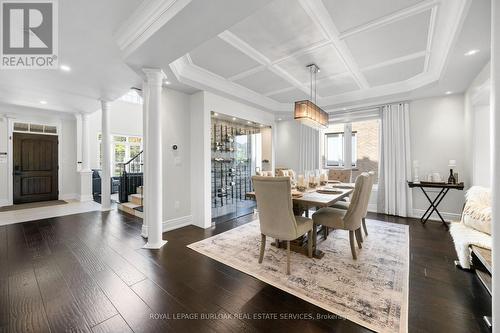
[(10, 150)]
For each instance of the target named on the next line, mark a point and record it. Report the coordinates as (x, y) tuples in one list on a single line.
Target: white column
[(106, 157), (85, 172), (153, 198), (495, 157), (145, 96)]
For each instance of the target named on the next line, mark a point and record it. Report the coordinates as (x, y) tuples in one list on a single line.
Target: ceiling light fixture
[(43, 102), (167, 82), (307, 112), (448, 93), (65, 68), (471, 52)]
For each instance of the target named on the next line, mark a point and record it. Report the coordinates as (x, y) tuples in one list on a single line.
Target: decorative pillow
[(477, 210)]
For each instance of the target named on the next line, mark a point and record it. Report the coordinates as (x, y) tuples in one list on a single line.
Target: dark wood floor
[(87, 272)]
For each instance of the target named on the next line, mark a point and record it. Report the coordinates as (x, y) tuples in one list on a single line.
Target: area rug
[(371, 291), (32, 205)]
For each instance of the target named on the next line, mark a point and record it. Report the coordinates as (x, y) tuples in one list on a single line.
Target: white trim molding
[(147, 19), (448, 217), (170, 225)]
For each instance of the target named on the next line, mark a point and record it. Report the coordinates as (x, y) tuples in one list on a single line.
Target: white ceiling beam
[(393, 17), (319, 14), (396, 60), (279, 91), (430, 36), (244, 47), (309, 49)]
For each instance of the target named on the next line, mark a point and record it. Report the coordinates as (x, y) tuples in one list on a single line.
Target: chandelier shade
[(310, 114)]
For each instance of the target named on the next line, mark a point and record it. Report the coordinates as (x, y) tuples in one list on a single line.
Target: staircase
[(134, 206), (131, 187)]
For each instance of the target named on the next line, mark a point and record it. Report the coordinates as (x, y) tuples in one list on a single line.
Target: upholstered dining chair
[(274, 202), (349, 219), (345, 205), (341, 175), (265, 173)]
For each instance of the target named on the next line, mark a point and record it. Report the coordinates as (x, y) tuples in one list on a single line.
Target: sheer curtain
[(308, 148), (394, 196)]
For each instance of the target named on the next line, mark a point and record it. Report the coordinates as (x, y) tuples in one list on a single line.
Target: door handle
[(17, 171)]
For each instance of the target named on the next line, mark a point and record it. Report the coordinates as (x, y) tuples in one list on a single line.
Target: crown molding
[(147, 19), (443, 32)]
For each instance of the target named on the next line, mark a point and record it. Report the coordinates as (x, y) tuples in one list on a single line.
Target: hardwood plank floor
[(88, 272)]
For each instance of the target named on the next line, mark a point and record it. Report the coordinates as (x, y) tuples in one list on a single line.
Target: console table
[(434, 203)]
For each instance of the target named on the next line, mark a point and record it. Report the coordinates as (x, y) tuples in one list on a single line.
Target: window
[(124, 148), (335, 149), (362, 150)]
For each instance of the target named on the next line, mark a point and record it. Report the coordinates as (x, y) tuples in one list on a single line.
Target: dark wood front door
[(35, 167)]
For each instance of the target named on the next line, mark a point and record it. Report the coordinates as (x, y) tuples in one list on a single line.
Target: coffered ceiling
[(365, 48)]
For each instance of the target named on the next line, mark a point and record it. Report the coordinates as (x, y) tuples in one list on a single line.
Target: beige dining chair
[(274, 202), (345, 205), (341, 175), (349, 219)]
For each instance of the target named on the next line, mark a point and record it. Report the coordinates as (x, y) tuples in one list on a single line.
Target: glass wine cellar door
[(236, 155)]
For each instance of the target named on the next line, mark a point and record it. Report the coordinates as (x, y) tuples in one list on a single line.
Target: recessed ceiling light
[(448, 93), (43, 102), (167, 82), (65, 68), (471, 52)]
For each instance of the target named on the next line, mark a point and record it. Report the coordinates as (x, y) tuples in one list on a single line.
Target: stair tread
[(136, 195), (130, 205)]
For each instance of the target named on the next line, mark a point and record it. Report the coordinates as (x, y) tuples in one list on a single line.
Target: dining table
[(312, 198)]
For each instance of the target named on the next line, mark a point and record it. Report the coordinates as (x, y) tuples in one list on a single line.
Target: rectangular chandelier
[(310, 114)]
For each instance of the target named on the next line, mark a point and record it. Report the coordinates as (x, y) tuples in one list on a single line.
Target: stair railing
[(131, 176)]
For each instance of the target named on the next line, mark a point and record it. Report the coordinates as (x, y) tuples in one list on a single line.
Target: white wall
[(477, 112), (437, 135), (267, 148), (68, 177), (176, 163), (125, 119)]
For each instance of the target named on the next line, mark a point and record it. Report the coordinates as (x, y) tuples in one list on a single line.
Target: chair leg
[(315, 235), (353, 247), (287, 257), (359, 238), (262, 247), (325, 232), (364, 227), (310, 244)]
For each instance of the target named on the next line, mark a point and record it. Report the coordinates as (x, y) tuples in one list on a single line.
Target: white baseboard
[(170, 224), (177, 223), (4, 202), (372, 208), (448, 217), (68, 196)]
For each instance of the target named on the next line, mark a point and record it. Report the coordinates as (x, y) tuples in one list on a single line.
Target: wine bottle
[(451, 179)]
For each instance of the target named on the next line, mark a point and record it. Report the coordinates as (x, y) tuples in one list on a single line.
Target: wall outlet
[(177, 205)]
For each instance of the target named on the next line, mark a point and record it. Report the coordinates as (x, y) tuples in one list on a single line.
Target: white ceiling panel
[(290, 96), (336, 85), (325, 57), (391, 41), (348, 14), (221, 58), (279, 29), (395, 73), (264, 82)]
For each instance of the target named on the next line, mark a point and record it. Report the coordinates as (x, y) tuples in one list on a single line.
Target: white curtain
[(394, 196), (308, 148)]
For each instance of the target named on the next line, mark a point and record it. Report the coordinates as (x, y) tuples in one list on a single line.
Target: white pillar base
[(144, 230), (85, 186), (154, 246)]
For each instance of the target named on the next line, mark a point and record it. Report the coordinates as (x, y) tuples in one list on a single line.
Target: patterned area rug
[(371, 291)]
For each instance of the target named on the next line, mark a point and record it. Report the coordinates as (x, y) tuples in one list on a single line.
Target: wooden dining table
[(303, 202)]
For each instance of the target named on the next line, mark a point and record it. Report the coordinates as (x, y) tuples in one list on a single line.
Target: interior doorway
[(35, 167)]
